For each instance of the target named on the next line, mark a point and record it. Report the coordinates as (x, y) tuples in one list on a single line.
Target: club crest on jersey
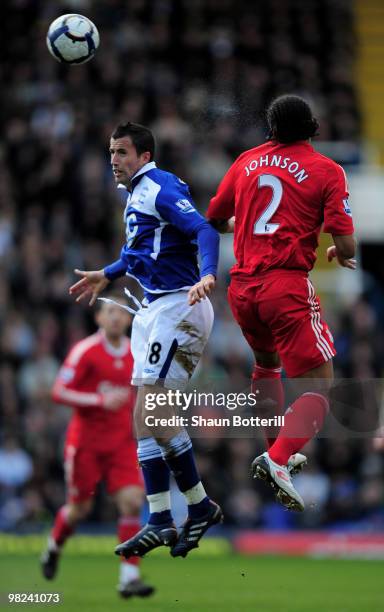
[(66, 374), (185, 206)]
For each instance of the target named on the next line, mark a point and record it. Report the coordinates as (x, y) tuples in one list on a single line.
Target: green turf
[(227, 583)]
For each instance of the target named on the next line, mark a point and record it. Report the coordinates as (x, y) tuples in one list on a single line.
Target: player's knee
[(139, 413), (263, 377), (79, 511), (130, 501), (318, 380), (267, 360)]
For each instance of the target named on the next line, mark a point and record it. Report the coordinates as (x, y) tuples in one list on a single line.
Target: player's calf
[(62, 530)]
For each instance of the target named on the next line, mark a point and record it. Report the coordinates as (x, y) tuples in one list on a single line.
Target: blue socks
[(179, 456), (156, 463), (156, 477)]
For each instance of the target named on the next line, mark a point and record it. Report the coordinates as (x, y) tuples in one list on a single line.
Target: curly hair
[(290, 119)]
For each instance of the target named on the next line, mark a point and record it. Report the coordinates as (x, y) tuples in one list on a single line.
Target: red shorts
[(85, 468), (280, 312)]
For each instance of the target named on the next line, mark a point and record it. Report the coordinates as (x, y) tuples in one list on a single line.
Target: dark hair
[(142, 137), (290, 118)]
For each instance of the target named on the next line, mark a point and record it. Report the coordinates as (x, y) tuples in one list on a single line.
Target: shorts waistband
[(151, 297), (268, 274)]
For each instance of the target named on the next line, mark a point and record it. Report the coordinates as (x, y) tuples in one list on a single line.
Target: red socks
[(302, 421), (61, 528), (127, 527), (269, 397)]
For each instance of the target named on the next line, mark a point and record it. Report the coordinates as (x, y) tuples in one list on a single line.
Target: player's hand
[(90, 285), (114, 398), (223, 226), (231, 225), (203, 288), (345, 263)]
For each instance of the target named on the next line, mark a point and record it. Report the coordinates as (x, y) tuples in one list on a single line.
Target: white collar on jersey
[(120, 351), (149, 166)]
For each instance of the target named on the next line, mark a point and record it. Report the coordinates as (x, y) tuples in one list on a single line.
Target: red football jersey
[(92, 367), (281, 196)]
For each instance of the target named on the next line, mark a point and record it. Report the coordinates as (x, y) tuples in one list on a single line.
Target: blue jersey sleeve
[(208, 240), (175, 205), (115, 270)]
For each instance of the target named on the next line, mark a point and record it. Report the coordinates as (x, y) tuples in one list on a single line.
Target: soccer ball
[(72, 39)]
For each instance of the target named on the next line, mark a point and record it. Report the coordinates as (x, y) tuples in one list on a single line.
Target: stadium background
[(198, 72)]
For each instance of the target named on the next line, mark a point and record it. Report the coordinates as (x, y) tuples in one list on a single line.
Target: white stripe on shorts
[(322, 344)]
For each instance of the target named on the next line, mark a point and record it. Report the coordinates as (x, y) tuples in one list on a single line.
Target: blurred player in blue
[(164, 235)]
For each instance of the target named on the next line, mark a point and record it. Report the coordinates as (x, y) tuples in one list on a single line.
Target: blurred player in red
[(276, 198), (95, 381)]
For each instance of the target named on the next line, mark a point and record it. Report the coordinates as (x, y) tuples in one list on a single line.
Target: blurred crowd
[(199, 72)]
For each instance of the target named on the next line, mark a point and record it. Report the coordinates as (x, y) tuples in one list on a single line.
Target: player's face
[(113, 320), (124, 159)]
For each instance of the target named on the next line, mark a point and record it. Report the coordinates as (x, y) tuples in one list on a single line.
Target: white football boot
[(279, 478), (296, 463)]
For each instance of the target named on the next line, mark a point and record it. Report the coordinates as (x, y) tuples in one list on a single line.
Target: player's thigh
[(82, 473), (177, 335), (141, 328), (122, 468), (242, 298), (292, 311)]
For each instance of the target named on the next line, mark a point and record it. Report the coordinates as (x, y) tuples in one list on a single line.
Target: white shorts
[(168, 338)]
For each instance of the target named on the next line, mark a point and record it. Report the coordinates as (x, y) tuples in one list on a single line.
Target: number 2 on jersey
[(261, 225)]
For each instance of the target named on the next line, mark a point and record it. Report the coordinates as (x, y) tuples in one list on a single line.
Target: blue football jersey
[(161, 225)]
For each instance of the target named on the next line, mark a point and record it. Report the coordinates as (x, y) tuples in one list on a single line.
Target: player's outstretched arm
[(200, 290), (344, 251), (90, 285)]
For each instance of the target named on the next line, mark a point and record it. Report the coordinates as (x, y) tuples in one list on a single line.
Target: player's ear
[(146, 157), (98, 317)]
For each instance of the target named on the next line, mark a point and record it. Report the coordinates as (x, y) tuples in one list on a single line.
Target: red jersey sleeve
[(337, 213), (70, 377), (222, 205)]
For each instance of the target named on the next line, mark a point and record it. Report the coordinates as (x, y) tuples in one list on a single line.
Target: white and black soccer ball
[(72, 39)]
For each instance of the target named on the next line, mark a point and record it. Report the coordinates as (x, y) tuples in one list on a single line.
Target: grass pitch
[(214, 579)]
